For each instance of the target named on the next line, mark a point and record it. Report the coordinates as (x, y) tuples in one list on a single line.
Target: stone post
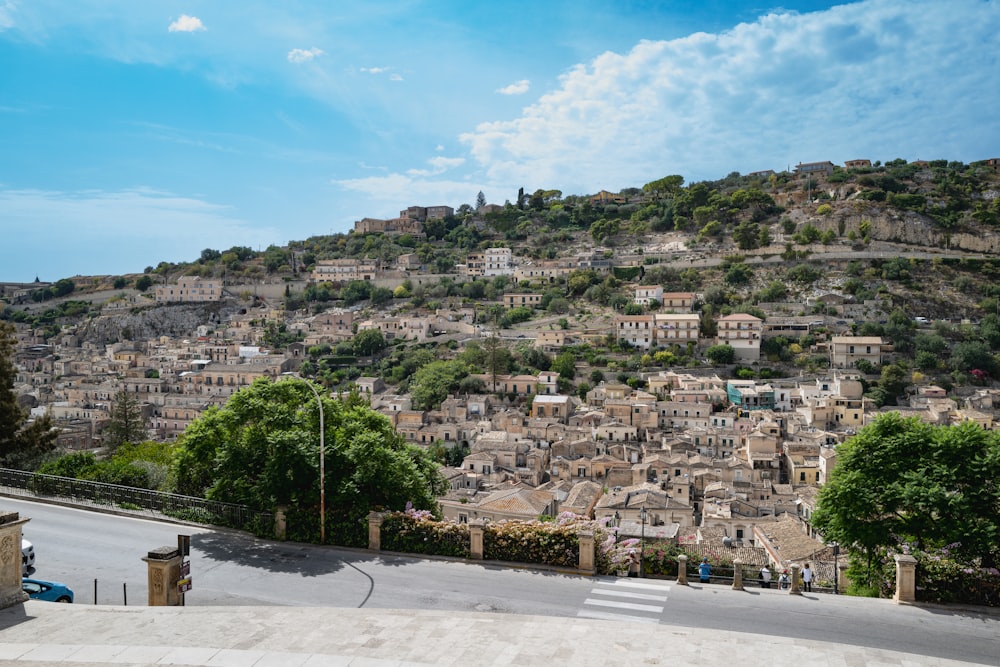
[(280, 523), (375, 520), (796, 588), (682, 570), (163, 567), (11, 592), (587, 556), (737, 575), (842, 582), (476, 529), (906, 579)]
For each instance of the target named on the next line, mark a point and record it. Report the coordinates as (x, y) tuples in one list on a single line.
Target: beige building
[(741, 332), (676, 328), (678, 302), (524, 299), (344, 270), (189, 289), (846, 351)]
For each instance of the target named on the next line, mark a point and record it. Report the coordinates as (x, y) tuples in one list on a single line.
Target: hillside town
[(727, 465)]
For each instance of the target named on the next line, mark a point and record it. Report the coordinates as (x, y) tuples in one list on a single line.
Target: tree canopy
[(126, 422), (902, 481), (262, 449), (23, 443)]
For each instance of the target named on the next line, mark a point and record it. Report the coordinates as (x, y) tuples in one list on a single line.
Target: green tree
[(23, 443), (368, 342), (63, 287), (126, 422), (433, 382), (720, 355), (262, 449), (143, 283), (565, 365), (900, 480)]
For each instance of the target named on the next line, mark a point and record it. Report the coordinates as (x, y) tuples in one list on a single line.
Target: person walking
[(705, 571), (784, 581), (807, 579), (765, 577)]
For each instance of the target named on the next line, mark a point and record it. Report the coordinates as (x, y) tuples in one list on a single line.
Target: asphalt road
[(229, 568)]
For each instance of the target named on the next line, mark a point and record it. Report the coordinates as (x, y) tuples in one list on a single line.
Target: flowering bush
[(547, 543), (416, 532), (940, 577)]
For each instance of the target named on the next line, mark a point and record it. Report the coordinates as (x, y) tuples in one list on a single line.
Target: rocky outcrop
[(903, 227), (141, 324)]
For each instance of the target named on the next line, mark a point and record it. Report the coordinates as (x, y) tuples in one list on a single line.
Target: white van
[(27, 557)]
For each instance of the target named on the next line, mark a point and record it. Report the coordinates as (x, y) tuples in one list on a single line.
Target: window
[(802, 477)]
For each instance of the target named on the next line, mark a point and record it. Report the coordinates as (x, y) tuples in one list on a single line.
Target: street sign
[(184, 585), (185, 569)]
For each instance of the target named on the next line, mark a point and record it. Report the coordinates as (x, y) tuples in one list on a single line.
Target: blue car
[(51, 591)]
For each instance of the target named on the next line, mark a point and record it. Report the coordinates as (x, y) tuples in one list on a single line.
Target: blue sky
[(138, 132)]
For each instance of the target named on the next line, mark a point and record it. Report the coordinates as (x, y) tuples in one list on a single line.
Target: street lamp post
[(322, 465), (836, 558), (322, 456), (617, 523), (642, 542)]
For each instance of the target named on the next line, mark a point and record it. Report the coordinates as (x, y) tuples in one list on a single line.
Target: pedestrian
[(765, 577), (705, 571), (807, 579), (784, 581)]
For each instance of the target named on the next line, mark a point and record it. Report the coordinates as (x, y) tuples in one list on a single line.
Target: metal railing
[(141, 502)]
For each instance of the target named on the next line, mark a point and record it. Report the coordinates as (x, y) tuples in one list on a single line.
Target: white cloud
[(303, 55), (374, 70), (387, 194), (516, 88), (439, 165), (395, 77), (187, 24), (7, 10), (868, 79)]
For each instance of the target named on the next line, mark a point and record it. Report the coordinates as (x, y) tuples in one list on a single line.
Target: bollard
[(682, 570), (737, 575), (796, 588)]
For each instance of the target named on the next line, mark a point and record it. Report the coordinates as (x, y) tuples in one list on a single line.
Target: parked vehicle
[(27, 557), (50, 591)]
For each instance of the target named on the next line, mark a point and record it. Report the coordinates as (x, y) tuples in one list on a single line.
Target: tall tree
[(23, 443), (262, 449), (900, 480), (126, 421), (480, 200)]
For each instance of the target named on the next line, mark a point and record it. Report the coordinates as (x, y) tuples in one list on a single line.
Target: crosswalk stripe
[(605, 616), (629, 594), (625, 583), (624, 605)]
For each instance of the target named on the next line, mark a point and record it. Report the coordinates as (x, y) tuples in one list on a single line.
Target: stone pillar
[(587, 556), (737, 575), (682, 570), (476, 529), (375, 520), (280, 523), (796, 588), (906, 579), (11, 592), (842, 581), (163, 567)]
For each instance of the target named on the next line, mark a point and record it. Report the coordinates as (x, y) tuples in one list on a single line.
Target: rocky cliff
[(176, 320)]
